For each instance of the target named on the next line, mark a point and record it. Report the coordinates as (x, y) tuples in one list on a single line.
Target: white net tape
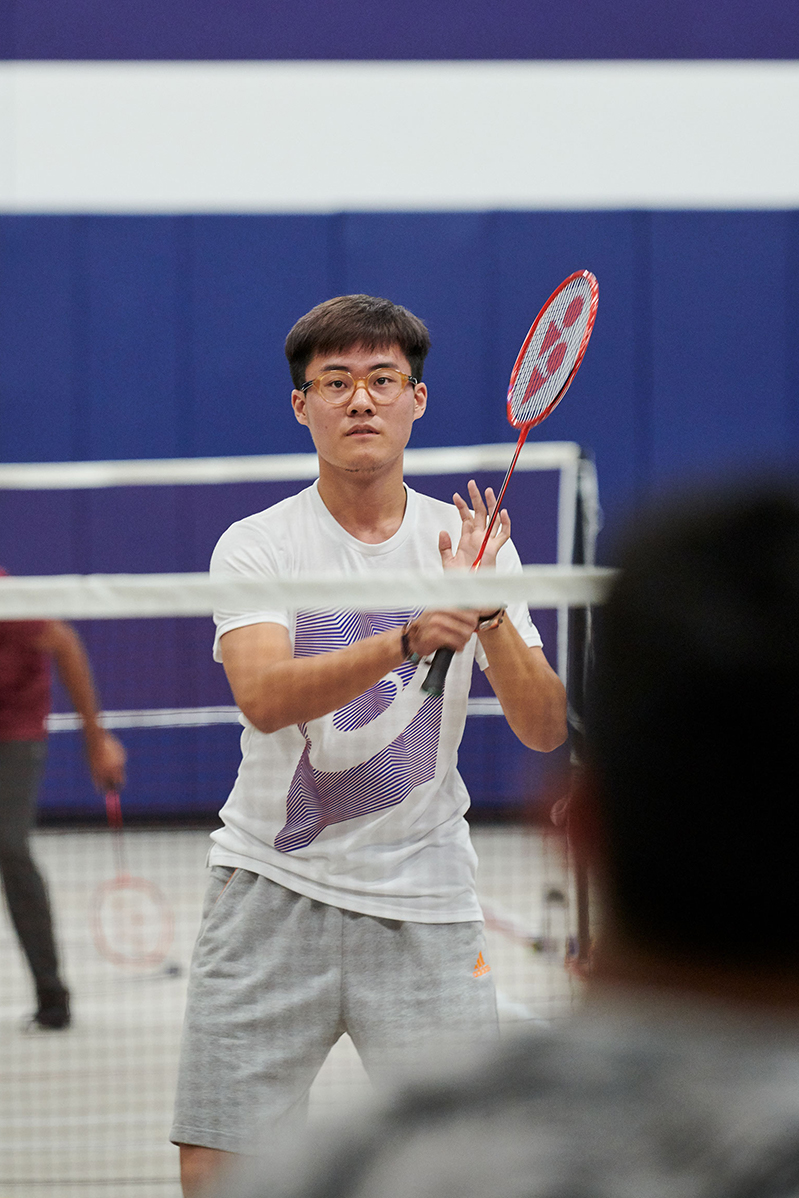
[(158, 595)]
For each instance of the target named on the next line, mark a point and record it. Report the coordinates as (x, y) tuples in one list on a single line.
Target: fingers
[(502, 522), (474, 522), (107, 763), (502, 527), (477, 514), (464, 511), (434, 630), (482, 510)]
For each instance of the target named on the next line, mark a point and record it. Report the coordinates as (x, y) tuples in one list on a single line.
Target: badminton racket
[(547, 362), (132, 921)]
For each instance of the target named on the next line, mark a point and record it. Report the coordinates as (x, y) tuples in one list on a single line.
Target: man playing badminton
[(27, 648), (342, 895)]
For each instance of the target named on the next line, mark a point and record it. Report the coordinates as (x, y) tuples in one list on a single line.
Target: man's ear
[(419, 400), (298, 403)]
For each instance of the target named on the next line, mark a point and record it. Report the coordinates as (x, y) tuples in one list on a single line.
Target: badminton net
[(88, 1110)]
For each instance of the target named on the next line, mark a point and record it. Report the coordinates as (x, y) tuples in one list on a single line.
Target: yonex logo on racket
[(552, 337), (553, 348)]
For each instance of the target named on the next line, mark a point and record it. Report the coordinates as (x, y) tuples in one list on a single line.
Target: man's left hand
[(474, 522)]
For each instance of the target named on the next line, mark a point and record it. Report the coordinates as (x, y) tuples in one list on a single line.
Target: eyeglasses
[(338, 386)]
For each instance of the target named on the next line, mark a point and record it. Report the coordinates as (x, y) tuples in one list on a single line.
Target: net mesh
[(555, 346), (88, 1110)]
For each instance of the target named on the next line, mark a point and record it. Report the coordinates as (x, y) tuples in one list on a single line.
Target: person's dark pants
[(21, 763)]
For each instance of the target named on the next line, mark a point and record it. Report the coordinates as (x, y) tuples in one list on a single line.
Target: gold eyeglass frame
[(357, 382)]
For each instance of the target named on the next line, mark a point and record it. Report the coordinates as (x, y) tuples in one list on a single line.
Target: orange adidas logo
[(480, 969)]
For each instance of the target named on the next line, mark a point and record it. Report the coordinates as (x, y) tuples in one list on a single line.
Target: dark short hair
[(350, 320), (694, 707)]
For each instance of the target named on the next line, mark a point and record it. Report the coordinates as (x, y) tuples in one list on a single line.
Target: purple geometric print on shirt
[(368, 706), (322, 632), (318, 798)]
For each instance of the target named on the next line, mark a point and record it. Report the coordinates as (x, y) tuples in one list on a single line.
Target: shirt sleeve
[(509, 562), (241, 553)]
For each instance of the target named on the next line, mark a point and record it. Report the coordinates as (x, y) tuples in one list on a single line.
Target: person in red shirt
[(27, 648)]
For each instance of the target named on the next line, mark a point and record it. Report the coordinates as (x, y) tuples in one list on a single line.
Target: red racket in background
[(132, 921), (547, 362)]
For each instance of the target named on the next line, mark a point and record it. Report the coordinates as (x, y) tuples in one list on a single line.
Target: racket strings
[(551, 354), (132, 922)]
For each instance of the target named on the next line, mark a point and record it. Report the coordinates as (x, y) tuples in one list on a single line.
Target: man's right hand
[(448, 629), (274, 689)]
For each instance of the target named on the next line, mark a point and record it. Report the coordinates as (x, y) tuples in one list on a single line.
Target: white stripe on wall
[(318, 137), (201, 717)]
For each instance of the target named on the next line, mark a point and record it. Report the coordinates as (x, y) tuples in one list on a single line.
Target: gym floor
[(87, 1110)]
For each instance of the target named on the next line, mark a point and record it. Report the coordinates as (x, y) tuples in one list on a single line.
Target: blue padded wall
[(416, 29), (161, 336), (129, 337), (724, 339)]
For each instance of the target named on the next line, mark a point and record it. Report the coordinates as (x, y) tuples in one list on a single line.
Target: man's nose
[(360, 396)]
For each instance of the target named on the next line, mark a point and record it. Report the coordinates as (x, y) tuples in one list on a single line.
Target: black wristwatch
[(406, 645)]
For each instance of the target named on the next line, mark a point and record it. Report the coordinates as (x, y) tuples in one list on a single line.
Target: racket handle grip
[(434, 682)]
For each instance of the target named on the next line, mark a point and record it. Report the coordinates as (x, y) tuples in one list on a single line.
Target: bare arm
[(105, 752), (532, 696), (275, 689)]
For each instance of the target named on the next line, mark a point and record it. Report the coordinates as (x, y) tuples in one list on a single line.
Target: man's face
[(360, 435)]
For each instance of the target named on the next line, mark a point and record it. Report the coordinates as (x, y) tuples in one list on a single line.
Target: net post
[(580, 660)]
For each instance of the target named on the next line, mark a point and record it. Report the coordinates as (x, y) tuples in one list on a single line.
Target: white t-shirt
[(362, 808)]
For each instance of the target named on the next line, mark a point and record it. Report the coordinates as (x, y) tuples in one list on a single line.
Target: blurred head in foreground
[(680, 1076), (688, 809)]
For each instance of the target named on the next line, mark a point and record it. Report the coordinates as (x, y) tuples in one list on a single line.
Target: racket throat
[(498, 507)]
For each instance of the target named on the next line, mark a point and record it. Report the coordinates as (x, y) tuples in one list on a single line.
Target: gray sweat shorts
[(277, 978)]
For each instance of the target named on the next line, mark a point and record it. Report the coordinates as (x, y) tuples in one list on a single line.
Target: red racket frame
[(138, 960), (434, 681), (525, 426), (125, 881)]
